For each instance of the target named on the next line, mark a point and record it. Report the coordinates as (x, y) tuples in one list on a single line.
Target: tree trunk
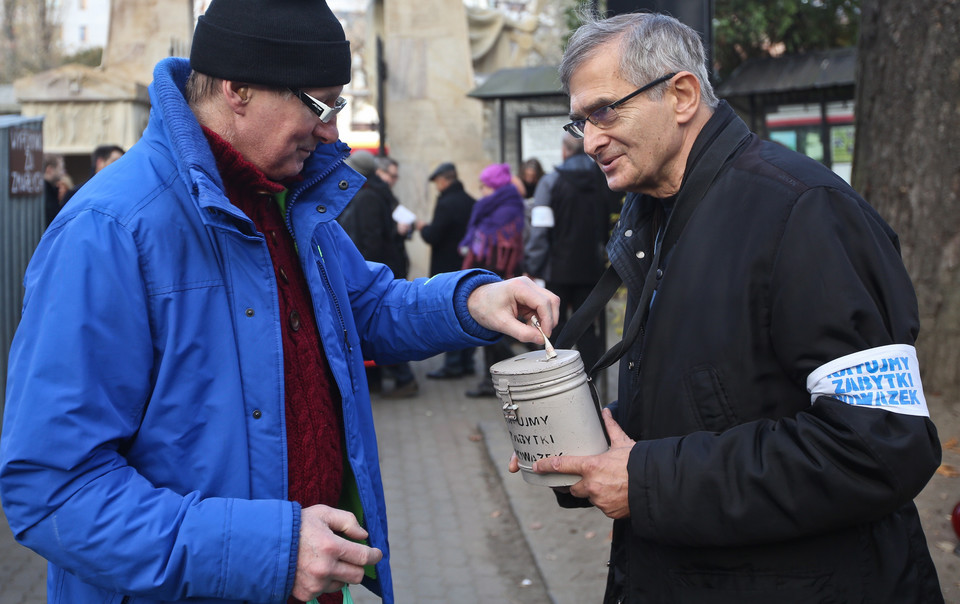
[(8, 67), (907, 161), (46, 29)]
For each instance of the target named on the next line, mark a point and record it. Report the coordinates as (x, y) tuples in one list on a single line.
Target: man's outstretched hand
[(506, 306)]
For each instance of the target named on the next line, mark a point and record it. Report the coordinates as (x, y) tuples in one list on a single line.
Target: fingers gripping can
[(549, 409)]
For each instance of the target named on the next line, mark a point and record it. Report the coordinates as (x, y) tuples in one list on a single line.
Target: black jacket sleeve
[(364, 222), (440, 226)]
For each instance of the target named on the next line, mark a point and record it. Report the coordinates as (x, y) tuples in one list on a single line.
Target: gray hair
[(383, 162), (201, 87), (651, 45), (572, 144)]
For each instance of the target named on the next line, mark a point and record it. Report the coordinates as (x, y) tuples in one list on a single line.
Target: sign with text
[(541, 137), (26, 162)]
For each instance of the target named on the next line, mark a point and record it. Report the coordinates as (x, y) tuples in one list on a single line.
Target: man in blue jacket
[(771, 430), (187, 415)]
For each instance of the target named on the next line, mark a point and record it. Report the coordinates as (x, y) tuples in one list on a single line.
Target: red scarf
[(312, 401)]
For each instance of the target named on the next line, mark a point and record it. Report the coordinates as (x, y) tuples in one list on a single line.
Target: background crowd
[(550, 225)]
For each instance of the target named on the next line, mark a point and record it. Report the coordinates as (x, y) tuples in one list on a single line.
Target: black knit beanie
[(282, 43)]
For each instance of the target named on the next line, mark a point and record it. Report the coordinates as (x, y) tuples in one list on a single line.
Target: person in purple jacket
[(494, 241)]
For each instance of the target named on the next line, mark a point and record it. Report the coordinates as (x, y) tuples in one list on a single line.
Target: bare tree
[(27, 37), (9, 42), (45, 25), (907, 160)]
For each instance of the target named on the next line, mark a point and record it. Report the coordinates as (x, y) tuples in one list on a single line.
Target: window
[(800, 127)]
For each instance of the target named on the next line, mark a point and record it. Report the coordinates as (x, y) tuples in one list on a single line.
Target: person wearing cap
[(770, 430), (187, 417), (444, 232), (494, 241)]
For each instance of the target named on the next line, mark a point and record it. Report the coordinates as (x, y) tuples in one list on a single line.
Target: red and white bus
[(824, 132)]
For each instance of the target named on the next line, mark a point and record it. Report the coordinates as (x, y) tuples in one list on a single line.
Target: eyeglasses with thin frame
[(323, 111), (606, 115)]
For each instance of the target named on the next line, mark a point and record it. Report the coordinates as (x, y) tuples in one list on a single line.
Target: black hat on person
[(282, 43), (442, 169)]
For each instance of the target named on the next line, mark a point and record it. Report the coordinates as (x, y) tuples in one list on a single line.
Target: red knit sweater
[(312, 400)]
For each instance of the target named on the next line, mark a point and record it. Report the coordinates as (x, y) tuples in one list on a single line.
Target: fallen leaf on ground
[(952, 445), (948, 471)]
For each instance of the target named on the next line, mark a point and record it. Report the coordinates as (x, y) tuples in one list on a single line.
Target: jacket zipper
[(640, 352), (339, 309), (294, 196)]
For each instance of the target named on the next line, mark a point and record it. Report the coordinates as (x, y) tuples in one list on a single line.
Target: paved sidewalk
[(23, 574), (935, 503), (464, 531)]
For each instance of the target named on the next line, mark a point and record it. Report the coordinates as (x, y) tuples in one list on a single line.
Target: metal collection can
[(549, 410)]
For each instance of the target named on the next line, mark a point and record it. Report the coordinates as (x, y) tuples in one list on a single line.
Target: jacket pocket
[(708, 399), (720, 587)]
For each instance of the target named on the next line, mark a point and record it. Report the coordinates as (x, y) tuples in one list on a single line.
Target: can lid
[(536, 363)]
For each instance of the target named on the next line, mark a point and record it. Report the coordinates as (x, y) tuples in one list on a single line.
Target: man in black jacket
[(368, 219), (569, 225), (443, 233), (771, 430)]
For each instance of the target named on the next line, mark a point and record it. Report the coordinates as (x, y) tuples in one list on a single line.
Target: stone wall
[(429, 117), (432, 63)]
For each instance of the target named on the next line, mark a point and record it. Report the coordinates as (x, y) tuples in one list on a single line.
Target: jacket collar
[(579, 162), (723, 117), (454, 187), (173, 119)]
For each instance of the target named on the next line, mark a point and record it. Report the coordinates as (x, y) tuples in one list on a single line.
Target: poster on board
[(540, 138), (25, 162)]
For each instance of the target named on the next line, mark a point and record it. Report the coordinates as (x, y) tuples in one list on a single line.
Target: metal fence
[(21, 220)]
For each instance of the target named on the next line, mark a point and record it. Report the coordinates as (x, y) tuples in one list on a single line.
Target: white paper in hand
[(403, 215)]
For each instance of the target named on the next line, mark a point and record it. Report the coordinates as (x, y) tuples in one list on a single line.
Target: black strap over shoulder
[(731, 135), (601, 293)]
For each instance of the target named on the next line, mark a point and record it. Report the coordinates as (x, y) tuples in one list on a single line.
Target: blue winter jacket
[(144, 451)]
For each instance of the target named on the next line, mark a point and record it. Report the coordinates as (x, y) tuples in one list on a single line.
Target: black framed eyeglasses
[(323, 111), (606, 115)]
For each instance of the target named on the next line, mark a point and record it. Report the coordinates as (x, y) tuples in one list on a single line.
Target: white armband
[(541, 216), (887, 378)]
